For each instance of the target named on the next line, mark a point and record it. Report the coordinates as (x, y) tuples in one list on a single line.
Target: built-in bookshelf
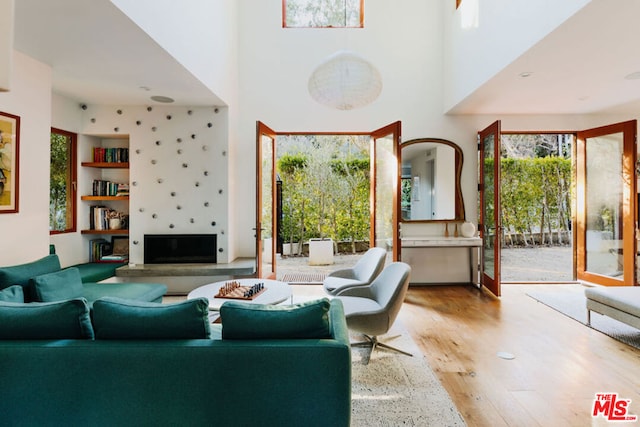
[(105, 186)]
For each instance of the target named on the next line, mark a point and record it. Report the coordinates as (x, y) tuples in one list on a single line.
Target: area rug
[(570, 301), (398, 390), (304, 278)]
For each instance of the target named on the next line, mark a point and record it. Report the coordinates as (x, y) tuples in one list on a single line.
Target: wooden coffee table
[(275, 292)]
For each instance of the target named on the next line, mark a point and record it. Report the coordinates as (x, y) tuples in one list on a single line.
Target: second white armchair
[(362, 273)]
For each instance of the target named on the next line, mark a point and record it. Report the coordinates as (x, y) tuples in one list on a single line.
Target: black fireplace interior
[(180, 248)]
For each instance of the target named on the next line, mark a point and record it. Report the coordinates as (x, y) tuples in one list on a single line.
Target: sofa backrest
[(20, 274)]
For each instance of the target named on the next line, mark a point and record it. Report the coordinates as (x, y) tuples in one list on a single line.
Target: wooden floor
[(558, 368)]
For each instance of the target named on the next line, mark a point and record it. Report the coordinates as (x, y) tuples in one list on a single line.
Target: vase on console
[(468, 229)]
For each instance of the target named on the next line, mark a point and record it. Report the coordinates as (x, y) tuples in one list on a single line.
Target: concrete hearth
[(181, 279)]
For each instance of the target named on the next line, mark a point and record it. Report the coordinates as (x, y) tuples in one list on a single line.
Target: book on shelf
[(110, 155), (96, 217), (108, 188), (122, 190), (99, 248)]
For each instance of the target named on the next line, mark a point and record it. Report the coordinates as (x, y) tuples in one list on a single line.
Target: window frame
[(284, 19), (72, 189)]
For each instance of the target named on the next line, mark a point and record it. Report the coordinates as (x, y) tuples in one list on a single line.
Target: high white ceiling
[(99, 56), (579, 68)]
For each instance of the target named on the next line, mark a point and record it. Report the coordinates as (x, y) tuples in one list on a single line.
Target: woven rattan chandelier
[(345, 81)]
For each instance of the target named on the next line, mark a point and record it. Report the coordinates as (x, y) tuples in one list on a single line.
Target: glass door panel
[(265, 196), (603, 205), (385, 188), (606, 205), (490, 229)]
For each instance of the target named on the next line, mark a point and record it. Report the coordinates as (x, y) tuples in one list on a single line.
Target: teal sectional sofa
[(262, 372), (44, 280)]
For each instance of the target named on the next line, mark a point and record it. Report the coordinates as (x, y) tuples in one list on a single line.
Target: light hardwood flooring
[(558, 368)]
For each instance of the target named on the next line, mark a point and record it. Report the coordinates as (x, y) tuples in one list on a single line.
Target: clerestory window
[(323, 13)]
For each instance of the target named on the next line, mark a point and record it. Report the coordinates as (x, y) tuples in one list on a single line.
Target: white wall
[(403, 39), (505, 30), (200, 34), (25, 235)]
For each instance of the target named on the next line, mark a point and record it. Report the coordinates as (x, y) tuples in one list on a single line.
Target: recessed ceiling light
[(526, 74), (633, 76), (160, 98), (145, 88)]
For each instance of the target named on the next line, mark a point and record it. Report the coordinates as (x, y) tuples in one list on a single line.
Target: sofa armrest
[(338, 322)]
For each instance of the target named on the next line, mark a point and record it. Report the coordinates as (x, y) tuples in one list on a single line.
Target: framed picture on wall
[(9, 154)]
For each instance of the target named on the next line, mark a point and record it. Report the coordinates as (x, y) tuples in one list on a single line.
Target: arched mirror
[(430, 181)]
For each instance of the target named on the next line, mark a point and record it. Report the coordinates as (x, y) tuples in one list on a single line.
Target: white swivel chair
[(371, 310), (362, 273)]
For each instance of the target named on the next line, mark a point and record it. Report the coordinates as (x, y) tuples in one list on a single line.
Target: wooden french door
[(385, 188), (265, 205), (490, 226), (606, 204)]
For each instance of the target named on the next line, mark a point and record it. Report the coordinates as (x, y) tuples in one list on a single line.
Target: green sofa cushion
[(45, 320), (20, 274), (242, 320), (12, 294), (61, 285), (148, 292), (117, 318)]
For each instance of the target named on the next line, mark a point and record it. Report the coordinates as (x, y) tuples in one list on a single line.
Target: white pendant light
[(345, 81)]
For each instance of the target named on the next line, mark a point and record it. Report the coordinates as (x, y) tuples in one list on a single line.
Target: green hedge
[(331, 201), (536, 199)]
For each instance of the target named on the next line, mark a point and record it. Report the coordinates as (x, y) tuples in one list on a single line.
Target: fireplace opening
[(180, 248)]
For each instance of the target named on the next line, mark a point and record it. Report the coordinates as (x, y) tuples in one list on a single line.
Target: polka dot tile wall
[(178, 168)]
